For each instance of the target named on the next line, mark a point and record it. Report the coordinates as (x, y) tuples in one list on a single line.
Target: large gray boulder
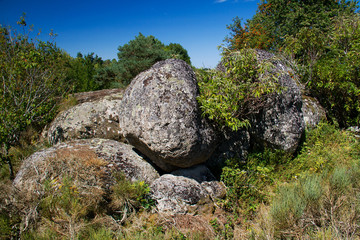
[(280, 123), (95, 118), (162, 119), (90, 163)]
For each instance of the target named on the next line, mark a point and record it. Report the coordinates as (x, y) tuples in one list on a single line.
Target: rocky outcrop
[(176, 194), (280, 123), (92, 119), (313, 112), (90, 163), (161, 116)]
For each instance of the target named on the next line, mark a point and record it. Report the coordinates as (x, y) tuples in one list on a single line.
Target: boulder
[(280, 123), (313, 112), (93, 119), (175, 194), (90, 163), (162, 119)]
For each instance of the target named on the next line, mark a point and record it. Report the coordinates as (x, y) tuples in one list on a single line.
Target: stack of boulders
[(154, 132)]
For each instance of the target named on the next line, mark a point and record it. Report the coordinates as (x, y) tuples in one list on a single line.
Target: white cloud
[(220, 1)]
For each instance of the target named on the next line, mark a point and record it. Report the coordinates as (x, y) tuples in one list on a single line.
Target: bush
[(33, 81), (230, 97)]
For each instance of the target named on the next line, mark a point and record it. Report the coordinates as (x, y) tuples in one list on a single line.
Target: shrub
[(33, 79), (230, 97)]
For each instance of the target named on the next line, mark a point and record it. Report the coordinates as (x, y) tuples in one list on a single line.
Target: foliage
[(325, 148), (129, 197), (249, 183), (82, 72), (322, 37), (315, 194), (274, 20), (32, 76), (319, 201), (137, 56), (230, 97), (178, 52)]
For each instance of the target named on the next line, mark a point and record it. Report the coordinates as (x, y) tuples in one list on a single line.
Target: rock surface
[(105, 157), (161, 116), (280, 123), (313, 112), (96, 119), (176, 194)]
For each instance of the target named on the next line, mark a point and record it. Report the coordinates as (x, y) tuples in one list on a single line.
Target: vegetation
[(229, 97), (32, 76), (312, 194), (136, 56), (321, 38)]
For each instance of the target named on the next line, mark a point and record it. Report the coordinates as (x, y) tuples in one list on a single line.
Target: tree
[(178, 52), (277, 19), (32, 79), (83, 70), (138, 55)]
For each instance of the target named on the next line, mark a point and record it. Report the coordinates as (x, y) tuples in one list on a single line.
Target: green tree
[(276, 19), (138, 55), (177, 51), (32, 79), (83, 70)]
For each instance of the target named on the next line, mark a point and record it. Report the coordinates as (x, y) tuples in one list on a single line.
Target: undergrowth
[(273, 195)]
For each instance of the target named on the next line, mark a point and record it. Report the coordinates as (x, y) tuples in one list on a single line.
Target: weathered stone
[(97, 119), (207, 180), (313, 112), (102, 156), (162, 119), (280, 123), (176, 194)]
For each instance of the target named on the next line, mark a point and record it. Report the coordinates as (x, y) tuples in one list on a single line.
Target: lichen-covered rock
[(97, 119), (313, 112), (162, 119), (207, 180), (91, 163), (175, 194), (280, 123)]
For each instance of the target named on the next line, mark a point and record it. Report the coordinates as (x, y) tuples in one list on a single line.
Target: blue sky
[(102, 26)]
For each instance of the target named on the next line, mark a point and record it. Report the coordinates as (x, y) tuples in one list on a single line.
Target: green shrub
[(325, 148), (230, 97)]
